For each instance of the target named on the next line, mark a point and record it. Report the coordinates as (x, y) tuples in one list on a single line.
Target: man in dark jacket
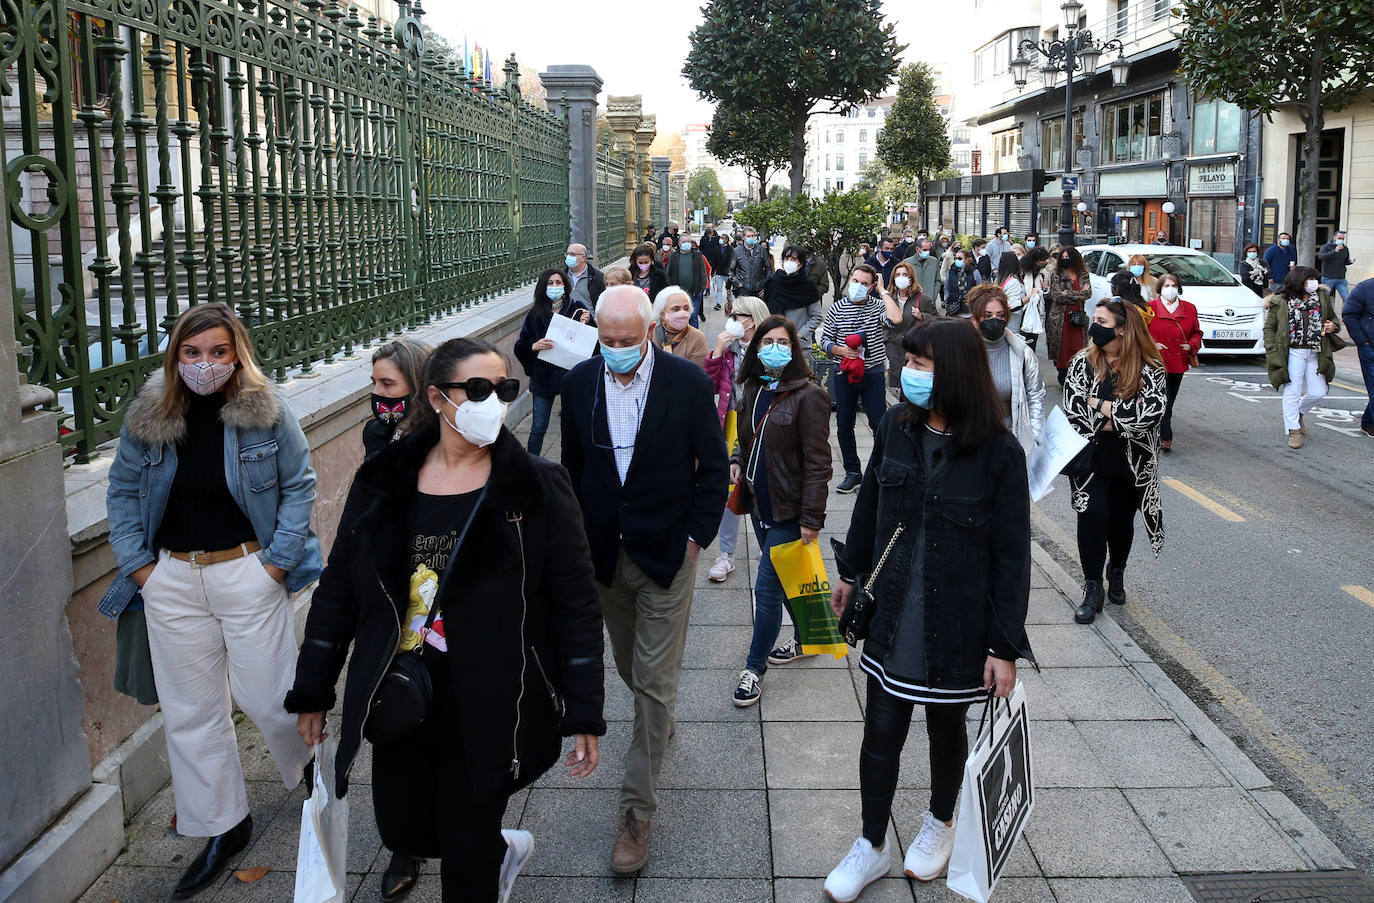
[(586, 280), (1358, 314), (1332, 259), (687, 268), (883, 260), (1280, 258), (751, 265), (643, 444)]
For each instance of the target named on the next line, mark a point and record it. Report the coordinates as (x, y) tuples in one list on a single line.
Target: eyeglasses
[(479, 388), (740, 318)]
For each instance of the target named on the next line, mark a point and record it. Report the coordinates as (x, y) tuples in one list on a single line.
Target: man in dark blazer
[(586, 282), (643, 444)]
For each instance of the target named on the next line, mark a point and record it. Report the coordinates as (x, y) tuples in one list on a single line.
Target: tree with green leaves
[(791, 56), (766, 217), (704, 192), (914, 142), (833, 226), (777, 192), (756, 138), (892, 190), (1307, 56)]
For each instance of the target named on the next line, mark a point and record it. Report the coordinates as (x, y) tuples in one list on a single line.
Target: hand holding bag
[(858, 614), (322, 852)]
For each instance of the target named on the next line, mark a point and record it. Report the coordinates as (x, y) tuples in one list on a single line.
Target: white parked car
[(1230, 314)]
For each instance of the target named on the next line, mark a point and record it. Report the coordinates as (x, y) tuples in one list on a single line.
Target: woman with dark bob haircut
[(784, 462), (945, 498)]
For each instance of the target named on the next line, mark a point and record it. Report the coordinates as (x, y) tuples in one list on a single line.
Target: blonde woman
[(209, 508), (1140, 268)]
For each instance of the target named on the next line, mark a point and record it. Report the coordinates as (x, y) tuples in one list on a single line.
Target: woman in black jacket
[(945, 497), (790, 291), (646, 271), (398, 393), (525, 664), (546, 380)]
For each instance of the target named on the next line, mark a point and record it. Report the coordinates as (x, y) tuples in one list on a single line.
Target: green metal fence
[(319, 173), (610, 208)]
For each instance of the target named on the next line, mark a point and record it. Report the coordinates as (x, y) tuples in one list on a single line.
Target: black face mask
[(993, 328), (389, 410), (1102, 336)]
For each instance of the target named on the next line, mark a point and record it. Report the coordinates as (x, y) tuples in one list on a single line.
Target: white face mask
[(902, 282), (790, 266), (1312, 286), (1169, 292), (735, 328), (479, 422)]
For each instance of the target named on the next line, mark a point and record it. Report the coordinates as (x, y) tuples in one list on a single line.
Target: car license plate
[(1230, 333)]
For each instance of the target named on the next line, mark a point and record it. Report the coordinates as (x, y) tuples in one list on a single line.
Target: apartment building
[(839, 146)]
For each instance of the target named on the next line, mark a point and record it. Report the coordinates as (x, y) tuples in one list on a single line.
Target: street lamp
[(1071, 54)]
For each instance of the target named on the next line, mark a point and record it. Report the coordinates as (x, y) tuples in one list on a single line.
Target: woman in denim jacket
[(209, 509)]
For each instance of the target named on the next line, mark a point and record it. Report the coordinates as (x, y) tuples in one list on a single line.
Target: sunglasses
[(479, 388)]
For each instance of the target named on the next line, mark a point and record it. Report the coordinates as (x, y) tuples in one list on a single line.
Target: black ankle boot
[(1116, 586), (206, 867), (1092, 602), (400, 877)]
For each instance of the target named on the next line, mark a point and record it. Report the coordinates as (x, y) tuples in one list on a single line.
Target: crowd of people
[(211, 495)]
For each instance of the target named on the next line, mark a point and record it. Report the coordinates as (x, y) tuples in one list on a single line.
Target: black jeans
[(885, 729), (424, 802), (1166, 427), (1108, 523)]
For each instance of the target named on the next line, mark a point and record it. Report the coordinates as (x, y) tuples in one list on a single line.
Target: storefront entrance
[(1328, 184)]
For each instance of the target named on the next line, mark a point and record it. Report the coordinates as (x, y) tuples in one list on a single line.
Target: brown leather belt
[(205, 559)]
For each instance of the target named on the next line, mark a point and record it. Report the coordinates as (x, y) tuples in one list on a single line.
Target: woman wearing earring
[(209, 506)]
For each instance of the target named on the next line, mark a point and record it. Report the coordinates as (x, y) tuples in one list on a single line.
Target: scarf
[(789, 292)]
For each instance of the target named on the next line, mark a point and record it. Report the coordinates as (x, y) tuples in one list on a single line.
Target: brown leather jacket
[(798, 455)]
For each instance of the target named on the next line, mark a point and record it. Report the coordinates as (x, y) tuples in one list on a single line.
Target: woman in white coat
[(1015, 368)]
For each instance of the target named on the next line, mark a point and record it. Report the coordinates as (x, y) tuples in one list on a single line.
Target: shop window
[(1212, 222), (1052, 142), (1216, 127), (1133, 130)]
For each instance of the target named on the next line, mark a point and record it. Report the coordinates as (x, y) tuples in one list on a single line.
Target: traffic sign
[(1068, 183)]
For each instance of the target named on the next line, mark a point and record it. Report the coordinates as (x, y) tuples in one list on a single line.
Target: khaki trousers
[(214, 630), (648, 628)]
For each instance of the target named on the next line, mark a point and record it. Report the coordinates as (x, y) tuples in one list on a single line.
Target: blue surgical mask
[(1283, 242), (924, 254), (621, 360), (570, 260), (555, 292), (686, 246), (775, 356), (1137, 270), (917, 386), (959, 264), (750, 240), (1030, 242), (857, 291)]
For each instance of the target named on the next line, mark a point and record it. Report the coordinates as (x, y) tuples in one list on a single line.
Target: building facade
[(839, 146)]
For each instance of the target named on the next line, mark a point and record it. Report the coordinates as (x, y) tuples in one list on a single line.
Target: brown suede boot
[(631, 848), (1294, 439)]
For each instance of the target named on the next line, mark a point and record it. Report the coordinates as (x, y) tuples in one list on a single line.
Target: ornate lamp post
[(1074, 53)]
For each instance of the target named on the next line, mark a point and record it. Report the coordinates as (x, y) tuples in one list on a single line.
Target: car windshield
[(1193, 269)]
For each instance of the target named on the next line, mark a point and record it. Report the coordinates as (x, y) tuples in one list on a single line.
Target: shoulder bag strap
[(448, 569), (877, 571)]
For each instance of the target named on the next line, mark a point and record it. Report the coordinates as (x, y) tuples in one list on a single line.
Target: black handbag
[(405, 694), (858, 614), (1081, 464)]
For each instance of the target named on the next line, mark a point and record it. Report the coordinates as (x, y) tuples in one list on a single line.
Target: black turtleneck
[(201, 514)]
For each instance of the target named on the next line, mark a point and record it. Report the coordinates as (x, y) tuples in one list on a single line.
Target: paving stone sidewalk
[(757, 805)]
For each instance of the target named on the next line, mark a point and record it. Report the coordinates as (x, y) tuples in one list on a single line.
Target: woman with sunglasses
[(458, 518), (962, 277), (1114, 396), (1178, 336)]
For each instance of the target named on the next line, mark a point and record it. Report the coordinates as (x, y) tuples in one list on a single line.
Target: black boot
[(211, 862), (1092, 602), (1116, 586), (400, 877)]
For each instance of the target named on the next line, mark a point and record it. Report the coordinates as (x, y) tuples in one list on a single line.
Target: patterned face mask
[(205, 377), (388, 410)]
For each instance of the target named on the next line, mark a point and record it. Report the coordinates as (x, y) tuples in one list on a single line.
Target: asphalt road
[(1262, 603)]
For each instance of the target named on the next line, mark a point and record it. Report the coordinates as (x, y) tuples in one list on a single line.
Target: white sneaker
[(724, 567), (519, 846), (787, 653), (929, 854), (861, 866), (748, 690)]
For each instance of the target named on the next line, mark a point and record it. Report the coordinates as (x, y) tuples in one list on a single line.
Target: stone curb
[(1303, 834)]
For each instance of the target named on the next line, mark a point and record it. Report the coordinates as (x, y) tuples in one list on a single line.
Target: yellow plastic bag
[(731, 432), (802, 574)]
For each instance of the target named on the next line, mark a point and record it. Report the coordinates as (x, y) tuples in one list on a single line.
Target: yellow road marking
[(1359, 592), (1216, 508), (1344, 386)]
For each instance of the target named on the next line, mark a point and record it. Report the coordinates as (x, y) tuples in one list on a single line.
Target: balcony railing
[(1135, 22)]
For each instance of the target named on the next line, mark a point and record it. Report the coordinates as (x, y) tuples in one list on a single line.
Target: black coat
[(711, 250), (698, 283), (545, 379), (676, 486), (522, 572), (977, 555), (596, 283)]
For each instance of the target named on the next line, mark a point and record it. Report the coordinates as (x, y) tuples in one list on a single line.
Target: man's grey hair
[(664, 296), (623, 295)]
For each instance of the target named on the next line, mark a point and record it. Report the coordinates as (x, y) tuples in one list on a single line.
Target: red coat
[(1172, 331)]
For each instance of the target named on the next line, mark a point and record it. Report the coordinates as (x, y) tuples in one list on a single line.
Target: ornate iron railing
[(655, 201), (610, 208), (321, 174)]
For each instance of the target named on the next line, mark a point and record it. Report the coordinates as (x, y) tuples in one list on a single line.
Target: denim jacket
[(267, 467)]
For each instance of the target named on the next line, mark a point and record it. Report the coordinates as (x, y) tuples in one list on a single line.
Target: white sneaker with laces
[(723, 567), (519, 846), (860, 867), (929, 853), (748, 690)]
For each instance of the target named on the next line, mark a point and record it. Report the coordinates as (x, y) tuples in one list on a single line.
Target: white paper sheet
[(1057, 445), (573, 342)]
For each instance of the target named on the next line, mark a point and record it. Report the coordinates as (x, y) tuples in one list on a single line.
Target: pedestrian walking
[(819, 272), (1032, 240), (1139, 268), (1178, 336), (979, 258), (722, 365), (457, 518), (1298, 324), (673, 330), (860, 314), (209, 502), (550, 298), (1115, 397), (906, 246), (750, 266), (883, 260), (645, 269), (1358, 314), (944, 520), (1333, 258), (783, 461), (947, 250), (1161, 238), (398, 401), (585, 282), (722, 272), (1033, 277), (670, 233), (1067, 290), (790, 291), (712, 250), (999, 244), (1007, 277), (905, 305), (1015, 368), (687, 268), (963, 276), (927, 268), (1254, 272), (1281, 258), (644, 448)]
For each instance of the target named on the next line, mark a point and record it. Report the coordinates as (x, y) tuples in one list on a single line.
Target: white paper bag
[(322, 853), (996, 801), (573, 342), (1033, 323)]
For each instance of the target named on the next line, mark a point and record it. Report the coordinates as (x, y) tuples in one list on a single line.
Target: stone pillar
[(43, 753), (661, 166), (578, 86), (625, 113), (644, 136), (678, 194)]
